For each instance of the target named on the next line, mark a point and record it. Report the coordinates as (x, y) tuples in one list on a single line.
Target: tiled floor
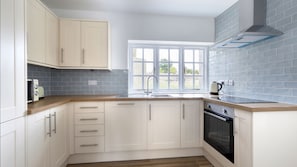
[(173, 162)]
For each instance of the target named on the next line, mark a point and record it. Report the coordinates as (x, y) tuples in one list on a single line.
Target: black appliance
[(218, 129), (239, 100)]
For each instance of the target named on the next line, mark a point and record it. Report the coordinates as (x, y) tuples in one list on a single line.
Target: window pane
[(174, 82), (137, 83), (189, 69), (148, 68), (137, 54), (148, 55), (174, 68), (163, 55), (198, 69), (174, 55), (163, 82), (199, 56), (137, 68), (188, 82), (198, 83), (164, 68), (188, 56)]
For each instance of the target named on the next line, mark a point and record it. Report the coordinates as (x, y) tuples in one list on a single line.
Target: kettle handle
[(220, 86)]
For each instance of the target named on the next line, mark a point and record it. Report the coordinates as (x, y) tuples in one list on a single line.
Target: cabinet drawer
[(84, 107), (89, 144), (89, 118), (89, 130)]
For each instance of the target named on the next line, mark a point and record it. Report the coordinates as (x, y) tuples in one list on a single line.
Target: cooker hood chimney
[(252, 25)]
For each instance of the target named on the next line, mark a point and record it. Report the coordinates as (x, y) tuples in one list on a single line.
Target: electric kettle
[(215, 87)]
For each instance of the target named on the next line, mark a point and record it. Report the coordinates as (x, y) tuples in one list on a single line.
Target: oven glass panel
[(219, 134)]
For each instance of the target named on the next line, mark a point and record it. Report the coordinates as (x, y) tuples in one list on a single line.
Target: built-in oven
[(218, 129)]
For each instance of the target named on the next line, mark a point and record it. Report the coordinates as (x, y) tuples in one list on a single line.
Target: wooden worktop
[(53, 101)]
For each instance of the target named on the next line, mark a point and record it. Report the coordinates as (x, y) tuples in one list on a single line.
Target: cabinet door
[(58, 141), (126, 126), (94, 38), (164, 124), (36, 31), (38, 139), (13, 143), (70, 52), (243, 138), (12, 59), (190, 123), (52, 39)]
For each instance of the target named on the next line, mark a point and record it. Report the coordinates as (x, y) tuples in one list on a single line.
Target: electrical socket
[(92, 82), (231, 82)]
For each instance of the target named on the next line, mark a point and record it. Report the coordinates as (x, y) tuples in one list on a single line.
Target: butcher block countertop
[(53, 101)]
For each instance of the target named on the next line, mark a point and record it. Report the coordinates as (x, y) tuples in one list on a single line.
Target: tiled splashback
[(266, 70), (75, 82)]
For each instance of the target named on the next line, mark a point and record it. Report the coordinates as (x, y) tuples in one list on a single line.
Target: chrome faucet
[(147, 92)]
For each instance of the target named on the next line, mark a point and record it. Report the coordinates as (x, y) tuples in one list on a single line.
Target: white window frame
[(181, 75)]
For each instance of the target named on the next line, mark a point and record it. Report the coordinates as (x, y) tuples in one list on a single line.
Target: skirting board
[(133, 155)]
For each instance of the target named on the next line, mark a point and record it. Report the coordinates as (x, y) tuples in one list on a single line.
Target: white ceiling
[(203, 8)]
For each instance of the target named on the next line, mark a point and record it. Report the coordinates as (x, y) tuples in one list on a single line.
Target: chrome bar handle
[(184, 112), (49, 125), (126, 104), (216, 116), (83, 56), (89, 119), (91, 107), (88, 145), (55, 122), (89, 131), (62, 55), (150, 112)]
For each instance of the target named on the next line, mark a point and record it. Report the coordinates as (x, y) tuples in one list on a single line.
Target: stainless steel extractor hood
[(252, 25)]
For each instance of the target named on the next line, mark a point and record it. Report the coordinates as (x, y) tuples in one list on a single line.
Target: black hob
[(240, 100)]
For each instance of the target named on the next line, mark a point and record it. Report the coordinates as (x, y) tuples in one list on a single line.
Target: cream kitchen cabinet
[(52, 39), (36, 31), (126, 126), (243, 138), (84, 44), (164, 127), (42, 35), (13, 143), (190, 123), (89, 121), (47, 138)]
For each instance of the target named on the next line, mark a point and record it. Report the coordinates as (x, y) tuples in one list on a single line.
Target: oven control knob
[(209, 106)]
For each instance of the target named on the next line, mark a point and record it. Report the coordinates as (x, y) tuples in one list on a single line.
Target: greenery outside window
[(177, 68)]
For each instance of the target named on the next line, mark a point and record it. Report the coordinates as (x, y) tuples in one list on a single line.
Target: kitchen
[(264, 70)]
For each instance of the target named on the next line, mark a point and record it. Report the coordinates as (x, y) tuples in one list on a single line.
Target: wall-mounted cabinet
[(42, 35), (84, 44)]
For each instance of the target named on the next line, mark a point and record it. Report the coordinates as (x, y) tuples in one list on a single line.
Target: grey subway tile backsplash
[(265, 70), (75, 82)]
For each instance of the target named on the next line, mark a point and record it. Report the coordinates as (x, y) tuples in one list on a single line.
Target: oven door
[(218, 132)]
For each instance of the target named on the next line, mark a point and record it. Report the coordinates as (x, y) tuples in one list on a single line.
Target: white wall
[(126, 27)]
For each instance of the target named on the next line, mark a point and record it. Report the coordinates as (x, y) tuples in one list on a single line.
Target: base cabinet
[(13, 143), (47, 141), (163, 124), (126, 126), (190, 123)]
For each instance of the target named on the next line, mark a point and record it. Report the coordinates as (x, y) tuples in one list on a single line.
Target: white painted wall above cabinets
[(126, 27)]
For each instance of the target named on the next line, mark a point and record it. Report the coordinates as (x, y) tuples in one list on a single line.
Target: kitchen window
[(177, 68)]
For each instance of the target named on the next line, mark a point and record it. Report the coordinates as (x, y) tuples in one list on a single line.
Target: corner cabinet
[(42, 35), (127, 121), (84, 44), (47, 138)]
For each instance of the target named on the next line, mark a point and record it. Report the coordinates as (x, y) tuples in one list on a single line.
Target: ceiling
[(202, 8)]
